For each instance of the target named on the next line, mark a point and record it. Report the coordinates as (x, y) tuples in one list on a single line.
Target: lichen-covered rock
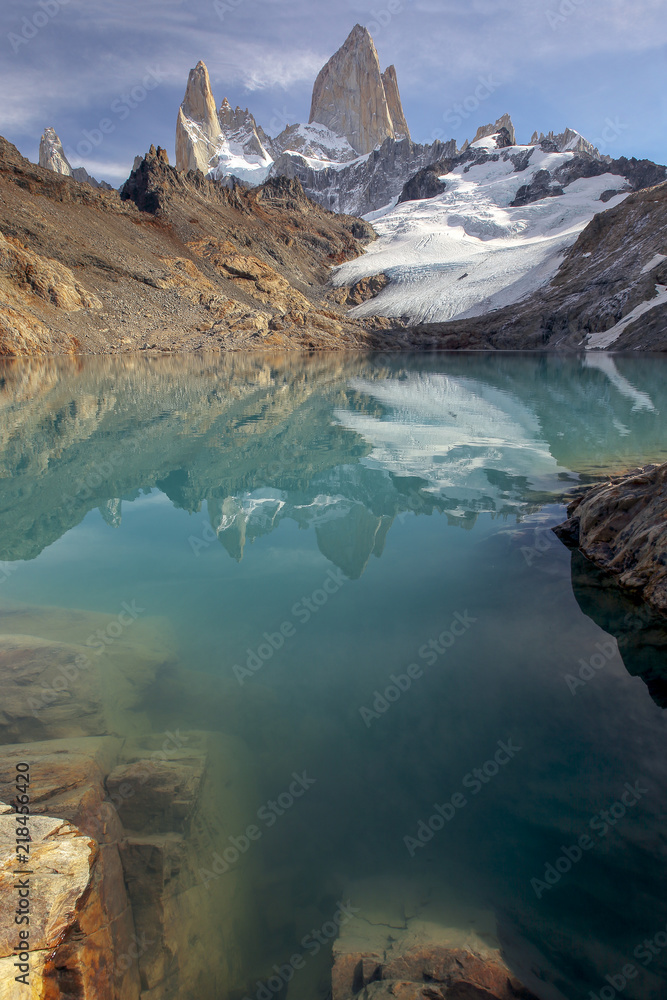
[(621, 525)]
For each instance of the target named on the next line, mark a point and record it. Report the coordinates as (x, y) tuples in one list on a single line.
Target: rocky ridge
[(178, 263), (353, 156)]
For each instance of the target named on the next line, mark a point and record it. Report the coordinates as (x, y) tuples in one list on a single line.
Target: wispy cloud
[(603, 60)]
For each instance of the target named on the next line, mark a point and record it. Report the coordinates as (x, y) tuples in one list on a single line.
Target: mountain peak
[(503, 122), (198, 103), (349, 95), (52, 155), (390, 81)]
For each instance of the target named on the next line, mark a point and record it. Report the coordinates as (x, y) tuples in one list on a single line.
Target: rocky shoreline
[(621, 526)]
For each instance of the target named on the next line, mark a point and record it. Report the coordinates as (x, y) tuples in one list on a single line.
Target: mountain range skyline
[(459, 65)]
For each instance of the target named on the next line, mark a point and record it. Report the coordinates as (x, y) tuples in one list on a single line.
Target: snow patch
[(658, 259), (425, 247), (604, 339)]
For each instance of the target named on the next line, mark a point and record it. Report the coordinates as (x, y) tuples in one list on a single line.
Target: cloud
[(595, 60)]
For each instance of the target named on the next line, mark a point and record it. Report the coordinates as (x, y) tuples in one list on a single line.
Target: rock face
[(505, 122), (365, 185), (62, 862), (52, 157), (356, 111), (390, 81), (216, 141), (121, 828), (198, 127), (622, 526), (349, 96), (109, 277)]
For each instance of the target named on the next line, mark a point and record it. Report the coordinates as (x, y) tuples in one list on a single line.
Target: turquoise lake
[(351, 562)]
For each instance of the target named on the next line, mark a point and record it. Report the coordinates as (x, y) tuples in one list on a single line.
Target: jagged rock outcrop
[(349, 96), (365, 185), (621, 526), (240, 125), (52, 157), (390, 81), (197, 127), (505, 122), (127, 273), (356, 111), (567, 140), (222, 143)]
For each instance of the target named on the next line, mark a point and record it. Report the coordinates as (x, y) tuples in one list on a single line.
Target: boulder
[(621, 526)]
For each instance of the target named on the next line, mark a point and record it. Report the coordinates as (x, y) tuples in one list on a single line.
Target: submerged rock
[(621, 526), (405, 946)]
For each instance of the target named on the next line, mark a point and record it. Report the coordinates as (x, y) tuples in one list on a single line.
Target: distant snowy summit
[(52, 157), (356, 153)]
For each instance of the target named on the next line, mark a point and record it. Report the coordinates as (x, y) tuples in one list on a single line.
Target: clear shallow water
[(362, 507)]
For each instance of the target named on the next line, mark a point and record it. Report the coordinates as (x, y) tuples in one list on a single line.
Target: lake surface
[(352, 560)]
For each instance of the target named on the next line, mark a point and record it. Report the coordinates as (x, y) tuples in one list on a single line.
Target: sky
[(598, 66)]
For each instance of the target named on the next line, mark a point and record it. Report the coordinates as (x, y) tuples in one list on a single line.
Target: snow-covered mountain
[(462, 232), (495, 229), (354, 155), (52, 157)]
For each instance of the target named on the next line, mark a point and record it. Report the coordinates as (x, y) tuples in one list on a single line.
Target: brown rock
[(349, 96), (76, 922), (198, 126), (367, 288), (622, 526)]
